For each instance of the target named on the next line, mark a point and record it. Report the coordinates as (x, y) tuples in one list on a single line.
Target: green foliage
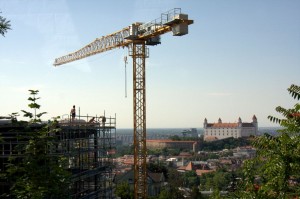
[(4, 25), (173, 152), (175, 138), (124, 150), (14, 117), (195, 194), (291, 120), (190, 179), (179, 138), (164, 194), (215, 180), (156, 152), (33, 105), (157, 168), (164, 151), (206, 156), (228, 143), (275, 171), (175, 180), (277, 163), (294, 90), (38, 172), (123, 191), (216, 194)]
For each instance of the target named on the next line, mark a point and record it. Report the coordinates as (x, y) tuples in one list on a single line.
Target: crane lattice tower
[(136, 37)]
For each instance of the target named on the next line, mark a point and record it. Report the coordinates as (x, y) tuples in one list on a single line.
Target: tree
[(191, 179), (171, 190), (123, 191), (164, 194), (216, 194), (34, 117), (37, 172), (219, 179), (175, 138), (124, 150), (291, 120), (196, 194), (275, 171), (227, 143), (4, 25), (157, 168)]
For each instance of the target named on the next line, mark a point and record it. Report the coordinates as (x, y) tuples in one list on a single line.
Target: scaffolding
[(88, 143)]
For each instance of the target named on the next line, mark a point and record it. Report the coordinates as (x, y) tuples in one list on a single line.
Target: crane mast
[(136, 37)]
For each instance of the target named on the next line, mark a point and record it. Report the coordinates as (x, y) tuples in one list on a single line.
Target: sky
[(238, 60)]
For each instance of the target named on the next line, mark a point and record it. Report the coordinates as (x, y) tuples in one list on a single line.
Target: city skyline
[(238, 60)]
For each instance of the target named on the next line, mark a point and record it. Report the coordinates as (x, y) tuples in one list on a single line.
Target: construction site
[(88, 145)]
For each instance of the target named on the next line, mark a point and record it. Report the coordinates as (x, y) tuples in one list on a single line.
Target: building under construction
[(86, 142)]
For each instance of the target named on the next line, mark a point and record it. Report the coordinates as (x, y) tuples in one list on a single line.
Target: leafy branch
[(33, 105), (291, 120), (4, 25), (294, 90), (38, 170), (274, 172)]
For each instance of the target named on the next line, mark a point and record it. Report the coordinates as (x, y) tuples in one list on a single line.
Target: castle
[(214, 131)]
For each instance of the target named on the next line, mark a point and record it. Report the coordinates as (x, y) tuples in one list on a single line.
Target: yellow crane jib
[(136, 37), (150, 32)]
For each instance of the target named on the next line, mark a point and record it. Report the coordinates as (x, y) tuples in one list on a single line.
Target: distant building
[(244, 151), (190, 133), (215, 131), (199, 167), (160, 144)]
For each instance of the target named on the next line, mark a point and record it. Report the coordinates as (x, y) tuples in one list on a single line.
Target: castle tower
[(255, 124), (205, 123), (240, 122), (220, 121)]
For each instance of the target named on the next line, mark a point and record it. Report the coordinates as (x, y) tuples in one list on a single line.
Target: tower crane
[(136, 37)]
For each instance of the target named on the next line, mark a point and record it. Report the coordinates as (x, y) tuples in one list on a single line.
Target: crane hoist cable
[(125, 60)]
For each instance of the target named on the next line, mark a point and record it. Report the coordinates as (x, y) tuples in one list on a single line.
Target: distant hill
[(269, 130)]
